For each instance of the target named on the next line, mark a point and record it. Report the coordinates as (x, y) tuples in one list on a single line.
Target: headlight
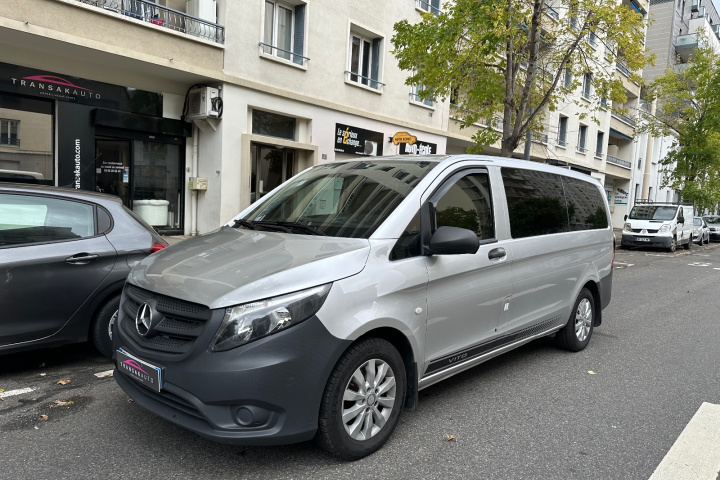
[(244, 323), (627, 228), (664, 228)]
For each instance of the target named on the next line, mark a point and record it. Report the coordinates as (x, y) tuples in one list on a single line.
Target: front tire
[(362, 401), (689, 243), (673, 245), (575, 336), (101, 329)]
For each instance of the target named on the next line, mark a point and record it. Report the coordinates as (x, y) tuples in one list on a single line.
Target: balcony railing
[(618, 161), (15, 142), (624, 118), (540, 137), (552, 12), (150, 12), (355, 77), (581, 149), (623, 68)]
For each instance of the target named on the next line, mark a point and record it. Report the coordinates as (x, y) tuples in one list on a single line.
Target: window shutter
[(375, 68), (298, 48)]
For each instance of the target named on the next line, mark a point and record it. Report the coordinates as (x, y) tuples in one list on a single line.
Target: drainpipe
[(648, 159), (194, 173)]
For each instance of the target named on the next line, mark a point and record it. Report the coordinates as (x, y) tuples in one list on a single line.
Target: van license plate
[(144, 372), (642, 239)]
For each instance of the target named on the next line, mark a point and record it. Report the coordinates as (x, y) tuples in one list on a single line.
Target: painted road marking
[(621, 265), (19, 391), (699, 264), (696, 452)]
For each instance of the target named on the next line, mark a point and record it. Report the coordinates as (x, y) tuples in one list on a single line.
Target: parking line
[(696, 452), (19, 391)]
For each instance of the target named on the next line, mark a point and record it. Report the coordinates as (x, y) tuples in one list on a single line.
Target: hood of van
[(647, 224), (233, 266)]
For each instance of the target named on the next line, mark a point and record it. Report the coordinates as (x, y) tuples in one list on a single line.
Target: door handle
[(496, 253), (81, 258)]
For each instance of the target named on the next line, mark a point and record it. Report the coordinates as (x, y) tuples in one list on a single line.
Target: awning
[(637, 8)]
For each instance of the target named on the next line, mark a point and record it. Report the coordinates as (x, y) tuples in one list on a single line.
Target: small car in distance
[(64, 256), (701, 231), (713, 222)]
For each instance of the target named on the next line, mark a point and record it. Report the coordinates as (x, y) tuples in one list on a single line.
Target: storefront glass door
[(112, 168), (270, 167), (145, 175)]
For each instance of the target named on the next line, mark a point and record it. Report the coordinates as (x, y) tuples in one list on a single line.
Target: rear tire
[(362, 400), (100, 331), (575, 336)]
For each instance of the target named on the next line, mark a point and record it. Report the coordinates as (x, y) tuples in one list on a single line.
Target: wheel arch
[(595, 291), (401, 343)]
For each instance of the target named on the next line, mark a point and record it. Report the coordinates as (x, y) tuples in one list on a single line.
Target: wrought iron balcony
[(4, 140), (540, 137), (147, 11), (624, 118), (618, 161)]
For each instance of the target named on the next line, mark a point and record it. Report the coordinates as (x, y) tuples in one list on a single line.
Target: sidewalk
[(173, 239)]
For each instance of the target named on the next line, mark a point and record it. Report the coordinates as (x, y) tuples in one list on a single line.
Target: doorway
[(112, 164), (271, 166)]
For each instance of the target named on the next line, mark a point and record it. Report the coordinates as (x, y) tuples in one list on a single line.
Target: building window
[(416, 95), (562, 131), (9, 132), (568, 78), (582, 136), (600, 144), (273, 125), (432, 6), (364, 59), (284, 32), (587, 85)]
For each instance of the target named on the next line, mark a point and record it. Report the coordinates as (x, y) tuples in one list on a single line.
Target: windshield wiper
[(289, 226), (243, 223)]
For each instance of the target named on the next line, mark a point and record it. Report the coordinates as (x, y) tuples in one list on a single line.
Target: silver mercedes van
[(322, 309)]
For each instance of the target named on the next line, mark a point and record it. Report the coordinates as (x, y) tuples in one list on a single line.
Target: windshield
[(653, 212), (697, 222), (712, 220), (348, 199)]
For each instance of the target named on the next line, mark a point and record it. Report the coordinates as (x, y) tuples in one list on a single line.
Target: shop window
[(284, 31), (26, 140), (364, 67), (273, 125)]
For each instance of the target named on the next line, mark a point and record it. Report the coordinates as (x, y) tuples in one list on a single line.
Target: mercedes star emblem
[(143, 319)]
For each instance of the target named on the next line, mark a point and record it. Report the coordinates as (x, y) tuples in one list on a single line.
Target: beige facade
[(313, 65)]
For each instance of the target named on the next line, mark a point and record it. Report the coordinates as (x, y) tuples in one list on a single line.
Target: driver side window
[(467, 204)]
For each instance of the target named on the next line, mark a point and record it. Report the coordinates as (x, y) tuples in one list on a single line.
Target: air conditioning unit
[(203, 9), (202, 103), (370, 148)]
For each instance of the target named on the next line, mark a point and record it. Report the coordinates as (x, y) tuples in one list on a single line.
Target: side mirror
[(625, 218), (453, 241)]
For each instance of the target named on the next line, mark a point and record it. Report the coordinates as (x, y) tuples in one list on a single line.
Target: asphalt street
[(611, 411)]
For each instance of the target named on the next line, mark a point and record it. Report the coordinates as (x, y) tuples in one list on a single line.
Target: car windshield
[(712, 220), (653, 212), (343, 199), (697, 222)]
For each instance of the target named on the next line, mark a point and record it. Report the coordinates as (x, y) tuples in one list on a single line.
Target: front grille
[(182, 324), (639, 230)]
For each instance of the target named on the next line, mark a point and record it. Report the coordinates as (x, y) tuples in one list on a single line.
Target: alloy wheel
[(583, 319), (368, 399)]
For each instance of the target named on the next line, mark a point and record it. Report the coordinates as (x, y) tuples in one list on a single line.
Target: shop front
[(78, 133)]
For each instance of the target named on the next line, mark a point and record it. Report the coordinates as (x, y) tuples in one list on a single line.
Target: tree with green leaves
[(519, 59), (688, 110)]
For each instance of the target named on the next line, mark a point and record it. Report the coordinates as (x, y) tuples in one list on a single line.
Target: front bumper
[(267, 392), (633, 240), (715, 236)]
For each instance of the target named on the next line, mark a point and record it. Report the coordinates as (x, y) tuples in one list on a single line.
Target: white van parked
[(664, 225)]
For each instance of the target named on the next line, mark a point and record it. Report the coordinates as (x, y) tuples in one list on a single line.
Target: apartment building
[(94, 93)]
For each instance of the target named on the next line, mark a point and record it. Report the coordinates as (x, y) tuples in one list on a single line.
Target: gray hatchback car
[(64, 257), (322, 309)]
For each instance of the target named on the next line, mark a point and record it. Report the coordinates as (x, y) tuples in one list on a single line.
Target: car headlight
[(627, 228), (248, 322), (664, 228)]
